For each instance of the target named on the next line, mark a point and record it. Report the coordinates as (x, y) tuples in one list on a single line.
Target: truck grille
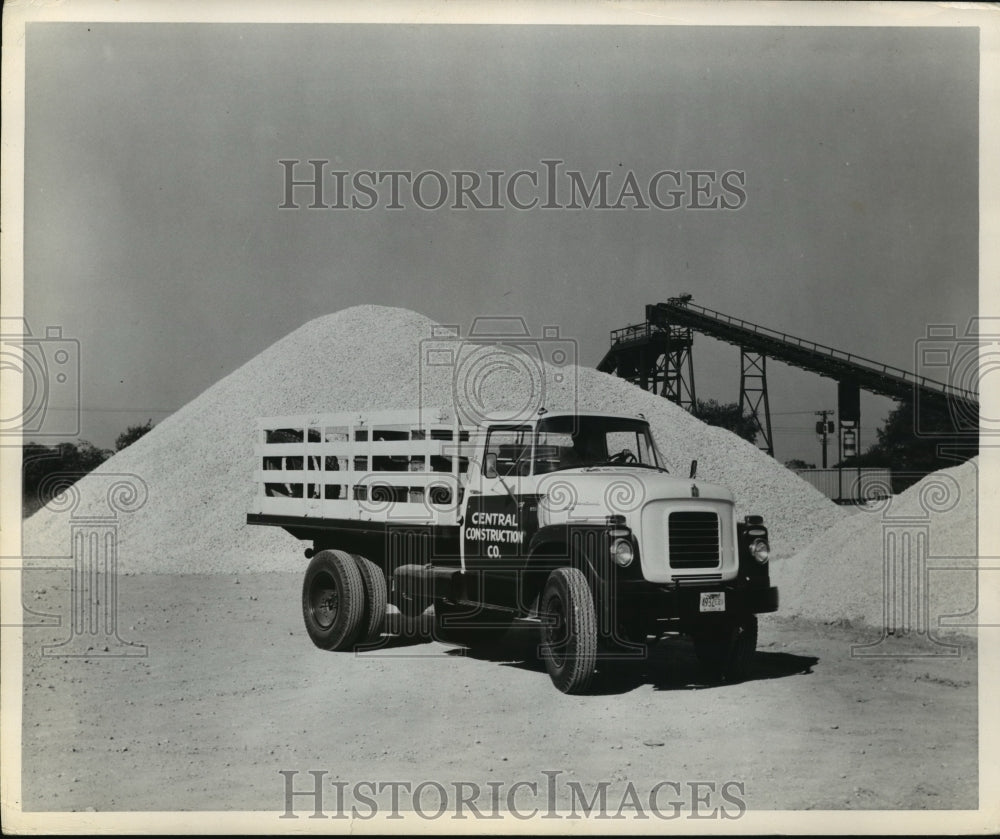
[(693, 540)]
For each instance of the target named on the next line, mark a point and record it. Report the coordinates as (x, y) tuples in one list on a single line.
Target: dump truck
[(569, 522)]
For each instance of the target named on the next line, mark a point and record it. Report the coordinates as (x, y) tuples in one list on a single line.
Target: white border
[(17, 14)]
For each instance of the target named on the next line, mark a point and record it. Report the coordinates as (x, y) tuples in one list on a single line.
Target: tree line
[(69, 460), (910, 449)]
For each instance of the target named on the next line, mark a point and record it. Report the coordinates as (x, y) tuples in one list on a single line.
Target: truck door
[(493, 530)]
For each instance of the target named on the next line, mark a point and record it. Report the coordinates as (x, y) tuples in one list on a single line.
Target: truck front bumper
[(687, 603)]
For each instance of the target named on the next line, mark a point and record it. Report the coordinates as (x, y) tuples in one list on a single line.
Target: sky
[(154, 234)]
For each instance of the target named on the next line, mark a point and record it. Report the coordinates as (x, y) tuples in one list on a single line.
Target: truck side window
[(512, 446), (550, 449)]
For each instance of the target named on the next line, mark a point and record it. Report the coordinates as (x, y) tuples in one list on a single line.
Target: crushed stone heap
[(198, 463), (840, 576)]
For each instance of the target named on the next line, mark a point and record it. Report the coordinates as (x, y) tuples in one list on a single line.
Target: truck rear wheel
[(333, 600), (726, 651), (569, 630), (376, 600)]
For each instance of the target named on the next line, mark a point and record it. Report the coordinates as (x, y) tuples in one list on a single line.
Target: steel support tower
[(753, 396)]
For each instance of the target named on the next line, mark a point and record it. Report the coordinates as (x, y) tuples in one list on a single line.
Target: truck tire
[(333, 600), (726, 651), (455, 624), (569, 630), (376, 600)]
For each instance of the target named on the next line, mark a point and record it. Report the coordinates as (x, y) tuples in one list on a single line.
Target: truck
[(568, 522)]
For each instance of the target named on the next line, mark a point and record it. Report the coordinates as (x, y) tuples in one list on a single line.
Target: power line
[(789, 430)]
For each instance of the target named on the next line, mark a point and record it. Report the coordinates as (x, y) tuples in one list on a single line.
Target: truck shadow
[(668, 665)]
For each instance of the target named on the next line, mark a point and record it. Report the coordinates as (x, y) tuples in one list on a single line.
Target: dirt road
[(232, 693)]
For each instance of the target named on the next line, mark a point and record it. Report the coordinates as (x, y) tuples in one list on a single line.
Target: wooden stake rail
[(385, 466)]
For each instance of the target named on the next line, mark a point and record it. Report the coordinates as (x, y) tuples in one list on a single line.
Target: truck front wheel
[(569, 630), (333, 600), (725, 651)]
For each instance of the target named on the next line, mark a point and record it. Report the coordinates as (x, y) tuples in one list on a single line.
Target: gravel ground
[(197, 463), (232, 692)]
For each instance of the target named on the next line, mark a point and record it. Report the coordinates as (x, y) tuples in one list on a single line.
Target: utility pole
[(824, 428)]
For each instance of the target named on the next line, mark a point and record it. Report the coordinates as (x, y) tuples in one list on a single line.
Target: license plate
[(712, 601)]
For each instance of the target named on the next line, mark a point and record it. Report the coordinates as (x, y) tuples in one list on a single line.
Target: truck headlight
[(760, 550), (621, 551)]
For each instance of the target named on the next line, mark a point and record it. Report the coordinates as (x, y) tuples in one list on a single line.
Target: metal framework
[(656, 355), (753, 396), (863, 373), (655, 358)]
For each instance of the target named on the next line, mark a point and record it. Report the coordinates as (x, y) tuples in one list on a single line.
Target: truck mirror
[(694, 469), (490, 465)]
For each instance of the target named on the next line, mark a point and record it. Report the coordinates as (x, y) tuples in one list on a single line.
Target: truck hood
[(597, 492)]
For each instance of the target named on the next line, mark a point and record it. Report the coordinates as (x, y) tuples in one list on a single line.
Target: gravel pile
[(839, 577), (198, 462)]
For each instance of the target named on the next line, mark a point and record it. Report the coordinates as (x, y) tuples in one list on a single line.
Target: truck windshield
[(574, 442)]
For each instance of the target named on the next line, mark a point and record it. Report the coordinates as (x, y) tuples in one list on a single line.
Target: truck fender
[(561, 545)]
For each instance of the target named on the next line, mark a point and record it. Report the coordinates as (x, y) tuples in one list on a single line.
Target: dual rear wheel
[(343, 600)]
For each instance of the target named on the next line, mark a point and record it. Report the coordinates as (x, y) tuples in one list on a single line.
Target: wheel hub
[(325, 602)]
